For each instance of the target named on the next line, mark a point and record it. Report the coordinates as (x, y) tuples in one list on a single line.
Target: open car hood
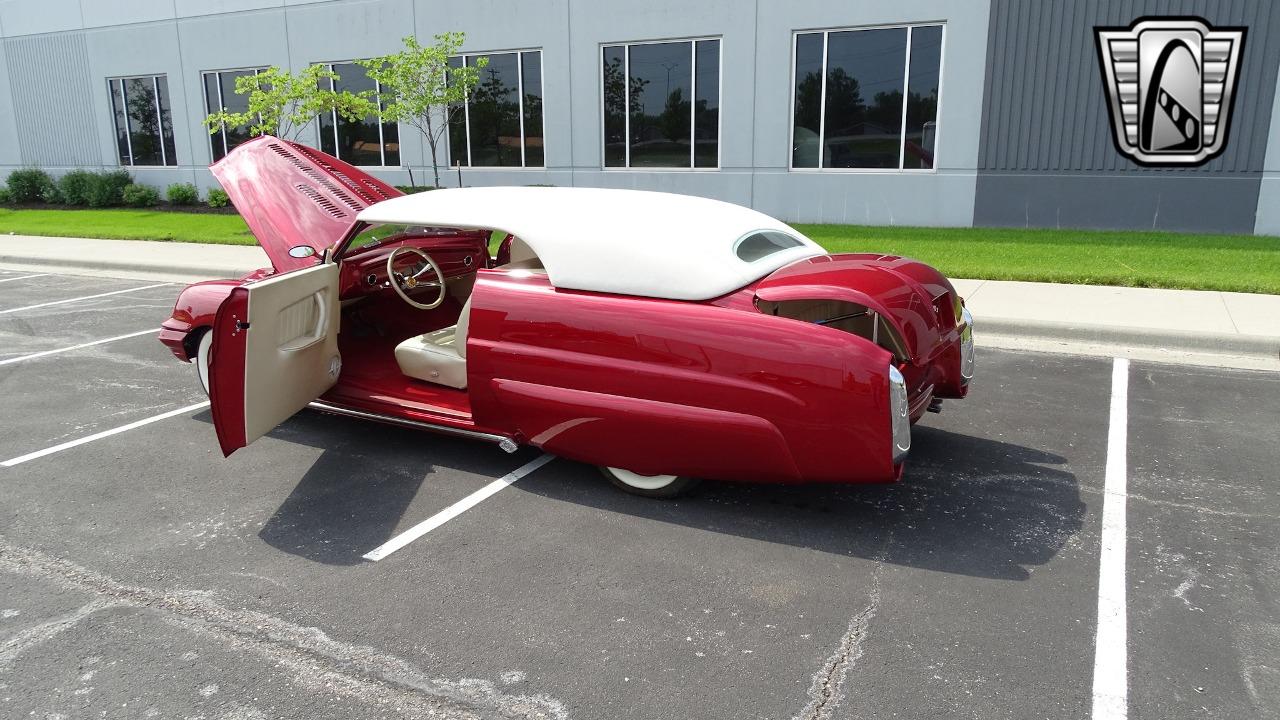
[(292, 195), (912, 296)]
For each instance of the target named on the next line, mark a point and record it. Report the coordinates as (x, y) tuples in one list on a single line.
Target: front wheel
[(653, 486), (202, 359)]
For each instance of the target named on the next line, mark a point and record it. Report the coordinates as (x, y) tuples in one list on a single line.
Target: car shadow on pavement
[(355, 494), (966, 505)]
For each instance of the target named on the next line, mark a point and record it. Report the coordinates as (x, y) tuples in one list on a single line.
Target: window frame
[(204, 90), (128, 132), (693, 95), (906, 86), (466, 109), (382, 140)]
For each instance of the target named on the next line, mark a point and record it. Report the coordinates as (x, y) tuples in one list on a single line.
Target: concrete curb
[(1160, 339)]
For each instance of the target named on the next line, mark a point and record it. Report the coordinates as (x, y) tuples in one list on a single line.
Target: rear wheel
[(653, 486), (202, 359)]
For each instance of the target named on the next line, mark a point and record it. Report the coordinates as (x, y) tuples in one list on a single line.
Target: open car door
[(275, 349)]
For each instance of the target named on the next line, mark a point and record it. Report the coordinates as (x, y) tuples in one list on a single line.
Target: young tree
[(282, 104), (420, 89)]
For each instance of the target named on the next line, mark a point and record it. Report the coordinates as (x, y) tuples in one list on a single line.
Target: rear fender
[(659, 437), (673, 387)]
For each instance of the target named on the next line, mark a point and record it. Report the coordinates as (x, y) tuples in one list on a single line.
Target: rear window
[(763, 243)]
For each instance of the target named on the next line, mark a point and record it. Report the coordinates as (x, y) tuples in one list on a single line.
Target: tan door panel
[(291, 353)]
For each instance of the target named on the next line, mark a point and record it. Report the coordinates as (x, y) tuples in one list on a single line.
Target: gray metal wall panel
[(1047, 157), (49, 82), (1119, 201), (24, 17), (1045, 108), (10, 150), (1268, 217), (95, 13)]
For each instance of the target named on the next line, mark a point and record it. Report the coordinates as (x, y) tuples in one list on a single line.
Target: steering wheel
[(401, 282)]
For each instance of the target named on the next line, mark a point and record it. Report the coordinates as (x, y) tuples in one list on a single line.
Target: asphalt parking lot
[(143, 575)]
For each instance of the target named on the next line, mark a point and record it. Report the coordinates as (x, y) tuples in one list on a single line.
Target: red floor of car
[(371, 377)]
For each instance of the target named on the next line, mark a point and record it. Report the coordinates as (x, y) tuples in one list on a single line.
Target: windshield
[(378, 234)]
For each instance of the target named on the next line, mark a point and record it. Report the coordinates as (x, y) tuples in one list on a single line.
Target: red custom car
[(661, 337)]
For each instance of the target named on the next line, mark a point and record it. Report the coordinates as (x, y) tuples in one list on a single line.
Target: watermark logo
[(1170, 85)]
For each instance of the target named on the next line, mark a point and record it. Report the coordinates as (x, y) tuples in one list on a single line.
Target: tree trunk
[(435, 165), (432, 140)]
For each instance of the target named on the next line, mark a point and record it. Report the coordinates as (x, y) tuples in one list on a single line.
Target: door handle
[(318, 333)]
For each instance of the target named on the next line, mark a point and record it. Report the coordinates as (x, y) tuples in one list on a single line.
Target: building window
[(220, 94), (143, 120), (848, 104), (661, 104), (368, 141), (500, 124)]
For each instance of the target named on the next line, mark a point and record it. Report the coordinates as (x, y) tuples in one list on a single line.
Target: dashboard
[(458, 253)]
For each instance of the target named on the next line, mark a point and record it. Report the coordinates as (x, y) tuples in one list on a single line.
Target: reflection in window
[(849, 98), (661, 104), (615, 107), (501, 122), (220, 94), (922, 96), (367, 141), (808, 101), (143, 120)]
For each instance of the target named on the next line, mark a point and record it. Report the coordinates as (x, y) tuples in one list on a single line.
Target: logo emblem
[(1170, 85)]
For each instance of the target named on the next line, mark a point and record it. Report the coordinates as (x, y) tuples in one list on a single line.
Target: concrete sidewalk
[(1211, 328)]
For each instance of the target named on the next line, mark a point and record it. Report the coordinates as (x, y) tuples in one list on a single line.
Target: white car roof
[(631, 242)]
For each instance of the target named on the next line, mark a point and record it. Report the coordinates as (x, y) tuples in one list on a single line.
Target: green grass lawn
[(120, 224), (1241, 263)]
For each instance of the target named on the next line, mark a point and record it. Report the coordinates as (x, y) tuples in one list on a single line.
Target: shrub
[(182, 194), (106, 188), (6, 197), (28, 185), (411, 189), (53, 195), (218, 198), (74, 187), (135, 195)]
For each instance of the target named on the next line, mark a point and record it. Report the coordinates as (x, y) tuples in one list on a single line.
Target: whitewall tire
[(654, 486), (202, 359)]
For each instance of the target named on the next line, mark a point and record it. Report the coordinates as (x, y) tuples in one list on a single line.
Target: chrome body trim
[(506, 443), (899, 415), (966, 347)]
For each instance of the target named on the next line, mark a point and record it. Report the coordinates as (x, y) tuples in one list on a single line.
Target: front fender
[(195, 308)]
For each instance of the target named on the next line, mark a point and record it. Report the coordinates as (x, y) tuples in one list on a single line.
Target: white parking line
[(1110, 656), (98, 436), (87, 297), (455, 509), (24, 277), (46, 353)]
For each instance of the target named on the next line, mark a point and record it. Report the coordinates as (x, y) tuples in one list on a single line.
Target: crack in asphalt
[(313, 659), (827, 690), (38, 634)]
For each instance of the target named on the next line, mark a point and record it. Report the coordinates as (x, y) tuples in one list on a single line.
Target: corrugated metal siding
[(1045, 108), (53, 100)]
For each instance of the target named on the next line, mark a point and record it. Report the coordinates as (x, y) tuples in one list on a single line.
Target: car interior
[(406, 304)]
